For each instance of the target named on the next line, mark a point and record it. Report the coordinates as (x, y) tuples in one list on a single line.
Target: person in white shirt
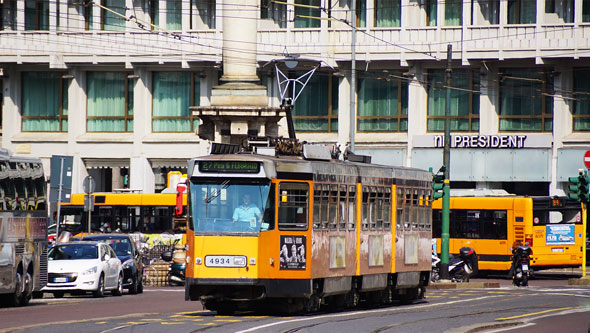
[(247, 212)]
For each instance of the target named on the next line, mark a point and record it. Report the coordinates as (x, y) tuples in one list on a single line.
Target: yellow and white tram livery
[(305, 232)]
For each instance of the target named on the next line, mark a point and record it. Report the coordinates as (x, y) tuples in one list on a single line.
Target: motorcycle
[(461, 267), (177, 268), (521, 272)]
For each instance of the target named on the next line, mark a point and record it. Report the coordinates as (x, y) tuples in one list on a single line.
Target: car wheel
[(58, 294), (134, 285), (119, 290), (99, 292)]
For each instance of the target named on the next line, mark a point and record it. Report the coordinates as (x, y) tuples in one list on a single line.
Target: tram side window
[(387, 208), (9, 194), (399, 207), (317, 195), (416, 209), (342, 209), (333, 207), (373, 210), (325, 199), (365, 208), (293, 206), (408, 209), (426, 209), (41, 193), (351, 207), (21, 194)]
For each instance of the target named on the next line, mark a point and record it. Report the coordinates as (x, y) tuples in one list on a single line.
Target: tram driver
[(247, 212)]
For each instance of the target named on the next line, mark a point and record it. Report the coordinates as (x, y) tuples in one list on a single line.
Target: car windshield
[(74, 251), (231, 205), (122, 246)]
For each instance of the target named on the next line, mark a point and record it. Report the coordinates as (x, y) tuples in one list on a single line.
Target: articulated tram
[(305, 231)]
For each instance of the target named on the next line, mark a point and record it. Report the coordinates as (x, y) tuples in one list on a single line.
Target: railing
[(419, 43)]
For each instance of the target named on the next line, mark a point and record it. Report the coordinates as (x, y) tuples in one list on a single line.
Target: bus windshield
[(223, 205)]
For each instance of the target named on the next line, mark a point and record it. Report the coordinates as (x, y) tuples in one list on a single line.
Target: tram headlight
[(198, 261), (252, 261), (240, 261)]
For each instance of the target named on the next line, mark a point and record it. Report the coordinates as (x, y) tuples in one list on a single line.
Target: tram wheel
[(410, 295)]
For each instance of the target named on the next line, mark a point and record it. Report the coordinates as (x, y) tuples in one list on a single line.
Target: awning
[(169, 163), (100, 163)]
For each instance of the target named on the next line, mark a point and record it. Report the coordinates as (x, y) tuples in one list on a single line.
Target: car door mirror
[(107, 257)]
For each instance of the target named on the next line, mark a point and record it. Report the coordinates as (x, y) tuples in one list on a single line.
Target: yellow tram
[(305, 231)]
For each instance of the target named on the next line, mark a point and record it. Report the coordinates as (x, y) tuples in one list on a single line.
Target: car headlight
[(128, 263), (92, 270)]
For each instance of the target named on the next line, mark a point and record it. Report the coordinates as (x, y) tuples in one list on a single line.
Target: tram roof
[(335, 167)]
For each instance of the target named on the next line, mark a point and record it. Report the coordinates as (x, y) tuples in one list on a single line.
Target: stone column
[(239, 40)]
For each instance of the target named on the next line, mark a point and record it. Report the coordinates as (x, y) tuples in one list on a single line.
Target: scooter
[(177, 268), (521, 272), (461, 267)]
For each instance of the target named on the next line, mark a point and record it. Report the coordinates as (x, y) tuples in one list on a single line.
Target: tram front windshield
[(222, 205)]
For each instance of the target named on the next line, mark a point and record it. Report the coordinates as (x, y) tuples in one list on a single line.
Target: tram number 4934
[(225, 261)]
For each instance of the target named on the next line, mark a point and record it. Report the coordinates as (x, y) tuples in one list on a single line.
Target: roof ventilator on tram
[(223, 148)]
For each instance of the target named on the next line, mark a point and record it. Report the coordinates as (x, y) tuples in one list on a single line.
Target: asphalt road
[(549, 304)]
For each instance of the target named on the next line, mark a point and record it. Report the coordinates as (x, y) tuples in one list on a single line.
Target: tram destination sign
[(229, 166)]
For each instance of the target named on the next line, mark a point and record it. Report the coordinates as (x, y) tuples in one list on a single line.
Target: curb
[(583, 281), (465, 285)]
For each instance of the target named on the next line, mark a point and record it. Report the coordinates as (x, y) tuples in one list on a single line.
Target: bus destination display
[(229, 166)]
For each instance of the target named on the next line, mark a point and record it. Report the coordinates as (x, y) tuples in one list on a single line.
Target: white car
[(83, 267)]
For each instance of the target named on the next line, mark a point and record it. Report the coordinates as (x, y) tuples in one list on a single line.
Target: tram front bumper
[(245, 289)]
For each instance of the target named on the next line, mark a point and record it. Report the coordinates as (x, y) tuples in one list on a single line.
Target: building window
[(581, 112), (489, 11), (173, 94), (8, 15), (85, 7), (274, 11), (430, 7), (44, 102), (382, 104), (464, 104), (316, 108), (110, 102), (453, 12), (388, 13), (307, 15), (203, 14), (585, 10), (36, 15), (174, 14), (110, 20), (522, 11), (526, 100)]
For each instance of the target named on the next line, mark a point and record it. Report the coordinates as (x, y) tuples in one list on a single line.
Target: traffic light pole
[(584, 230), (444, 243)]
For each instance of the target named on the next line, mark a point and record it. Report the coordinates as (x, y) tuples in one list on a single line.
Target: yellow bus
[(552, 226), (125, 213)]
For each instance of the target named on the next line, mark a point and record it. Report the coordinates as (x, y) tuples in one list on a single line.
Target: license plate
[(225, 261), (60, 279), (557, 250), (525, 267)]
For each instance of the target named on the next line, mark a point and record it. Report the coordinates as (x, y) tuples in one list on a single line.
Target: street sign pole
[(60, 188), (444, 242), (584, 224)]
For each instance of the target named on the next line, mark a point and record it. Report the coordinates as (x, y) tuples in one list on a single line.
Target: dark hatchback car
[(130, 259)]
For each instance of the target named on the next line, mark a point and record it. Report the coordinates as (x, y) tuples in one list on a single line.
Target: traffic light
[(583, 181), (572, 188), (577, 188), (437, 186)]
